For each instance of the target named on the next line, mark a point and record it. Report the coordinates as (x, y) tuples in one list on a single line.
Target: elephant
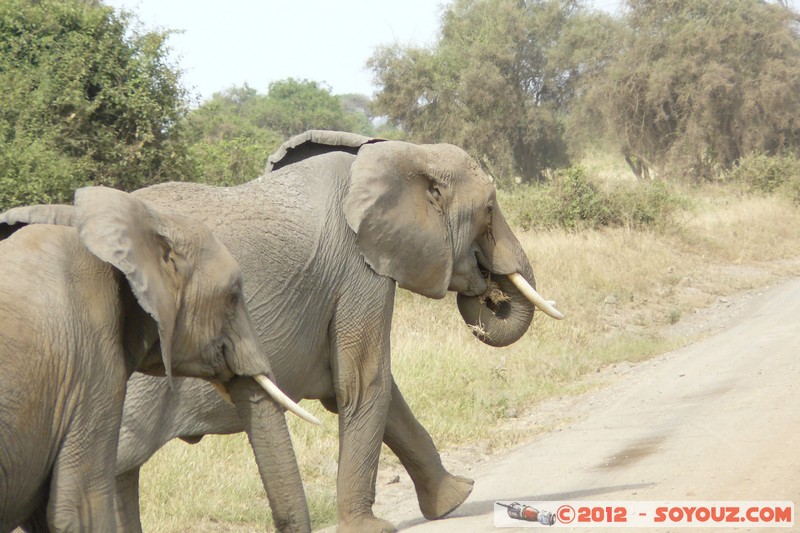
[(325, 235), (89, 293)]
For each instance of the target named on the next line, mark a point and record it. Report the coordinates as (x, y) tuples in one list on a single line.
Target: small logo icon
[(528, 514)]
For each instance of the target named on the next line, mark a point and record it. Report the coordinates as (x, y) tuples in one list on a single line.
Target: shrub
[(765, 174), (791, 189), (645, 204), (579, 202), (574, 201)]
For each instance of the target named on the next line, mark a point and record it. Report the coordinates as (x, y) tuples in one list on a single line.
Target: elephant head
[(427, 216), (184, 314)]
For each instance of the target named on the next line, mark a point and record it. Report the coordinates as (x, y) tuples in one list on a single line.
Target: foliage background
[(681, 90), (85, 99)]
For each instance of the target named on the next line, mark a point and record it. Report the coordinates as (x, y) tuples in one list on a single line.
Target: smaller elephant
[(89, 294)]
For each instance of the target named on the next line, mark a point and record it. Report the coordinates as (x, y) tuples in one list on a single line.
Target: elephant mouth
[(495, 299), (500, 309)]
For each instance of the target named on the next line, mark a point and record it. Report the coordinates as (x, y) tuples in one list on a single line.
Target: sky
[(256, 42)]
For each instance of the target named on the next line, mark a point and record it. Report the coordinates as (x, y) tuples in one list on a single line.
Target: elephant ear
[(13, 219), (133, 237), (396, 204), (316, 142)]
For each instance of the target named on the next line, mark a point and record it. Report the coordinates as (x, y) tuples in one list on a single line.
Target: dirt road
[(717, 420)]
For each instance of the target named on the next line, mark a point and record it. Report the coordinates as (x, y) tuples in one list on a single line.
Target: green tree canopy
[(698, 84), (232, 134), (497, 82), (86, 99)]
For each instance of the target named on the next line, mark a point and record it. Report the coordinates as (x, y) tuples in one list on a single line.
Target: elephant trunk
[(272, 445), (502, 314)]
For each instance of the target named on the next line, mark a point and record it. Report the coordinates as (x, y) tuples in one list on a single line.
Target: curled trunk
[(500, 316), (269, 437)]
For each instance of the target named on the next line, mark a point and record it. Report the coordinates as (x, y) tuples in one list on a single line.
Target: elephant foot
[(366, 524), (442, 498)]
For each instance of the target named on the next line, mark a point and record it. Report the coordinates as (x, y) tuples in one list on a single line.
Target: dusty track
[(716, 420)]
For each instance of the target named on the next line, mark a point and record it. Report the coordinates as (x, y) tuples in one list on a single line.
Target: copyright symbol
[(565, 514)]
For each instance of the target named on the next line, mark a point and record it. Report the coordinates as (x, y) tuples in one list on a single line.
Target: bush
[(573, 201), (646, 204), (228, 162), (579, 202), (86, 99), (791, 189), (763, 174)]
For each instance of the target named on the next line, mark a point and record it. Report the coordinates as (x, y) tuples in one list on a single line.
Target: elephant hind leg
[(438, 492)]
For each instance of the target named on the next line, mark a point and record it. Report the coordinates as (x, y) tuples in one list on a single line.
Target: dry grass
[(617, 288)]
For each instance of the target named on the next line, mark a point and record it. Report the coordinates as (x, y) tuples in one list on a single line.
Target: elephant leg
[(438, 491), (82, 481), (362, 383), (126, 501), (81, 489)]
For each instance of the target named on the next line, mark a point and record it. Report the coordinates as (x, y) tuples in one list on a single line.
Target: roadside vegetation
[(649, 162)]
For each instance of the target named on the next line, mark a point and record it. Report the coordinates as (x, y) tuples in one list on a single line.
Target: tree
[(359, 108), (232, 134), (293, 106), (698, 84), (497, 82), (86, 100)]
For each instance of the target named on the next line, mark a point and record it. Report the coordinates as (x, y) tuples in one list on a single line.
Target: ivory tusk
[(284, 400), (535, 298)]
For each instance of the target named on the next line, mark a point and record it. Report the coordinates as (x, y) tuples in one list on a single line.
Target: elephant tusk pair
[(534, 297), (286, 402)]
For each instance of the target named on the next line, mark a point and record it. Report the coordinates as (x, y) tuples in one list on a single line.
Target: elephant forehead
[(456, 164)]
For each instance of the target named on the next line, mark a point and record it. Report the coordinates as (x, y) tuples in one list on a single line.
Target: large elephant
[(129, 287), (324, 236)]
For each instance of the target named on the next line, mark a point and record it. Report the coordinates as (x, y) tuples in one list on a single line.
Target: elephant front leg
[(438, 491), (126, 500), (362, 383), (82, 483)]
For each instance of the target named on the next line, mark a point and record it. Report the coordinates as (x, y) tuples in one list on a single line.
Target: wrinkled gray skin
[(128, 287), (322, 239)]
